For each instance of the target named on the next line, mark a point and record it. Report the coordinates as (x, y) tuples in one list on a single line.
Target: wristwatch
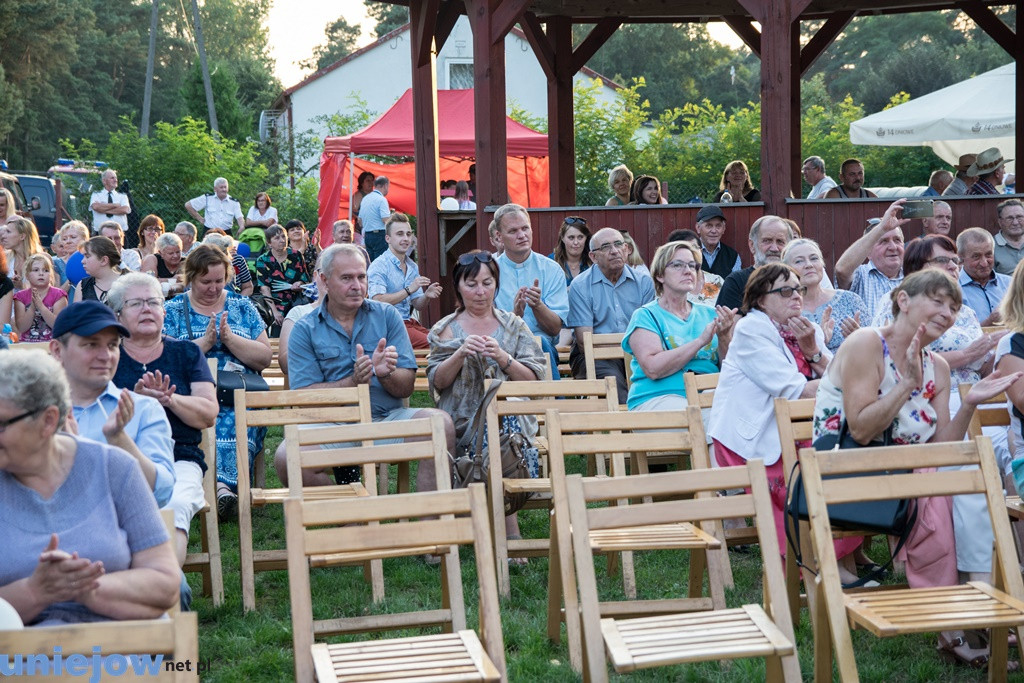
[(815, 358), (407, 292)]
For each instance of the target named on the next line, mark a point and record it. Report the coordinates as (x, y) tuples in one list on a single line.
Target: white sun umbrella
[(964, 118)]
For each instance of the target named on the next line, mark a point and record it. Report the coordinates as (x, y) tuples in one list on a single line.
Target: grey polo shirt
[(320, 350), (1006, 256)]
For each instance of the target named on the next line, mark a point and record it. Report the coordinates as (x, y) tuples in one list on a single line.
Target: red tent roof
[(392, 135)]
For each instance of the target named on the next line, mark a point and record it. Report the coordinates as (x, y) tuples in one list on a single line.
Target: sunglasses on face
[(787, 292), (481, 256)]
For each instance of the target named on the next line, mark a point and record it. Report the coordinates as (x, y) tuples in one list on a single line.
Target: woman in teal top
[(671, 336)]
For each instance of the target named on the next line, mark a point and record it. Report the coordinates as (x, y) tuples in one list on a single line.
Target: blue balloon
[(74, 269), (243, 250)]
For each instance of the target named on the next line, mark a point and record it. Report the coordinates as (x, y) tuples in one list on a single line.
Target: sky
[(297, 27)]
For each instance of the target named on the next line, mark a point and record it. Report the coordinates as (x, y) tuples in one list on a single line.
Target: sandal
[(959, 651), (517, 561), (227, 504)]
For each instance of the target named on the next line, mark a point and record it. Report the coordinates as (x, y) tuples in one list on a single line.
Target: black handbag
[(229, 380), (265, 307), (893, 517)]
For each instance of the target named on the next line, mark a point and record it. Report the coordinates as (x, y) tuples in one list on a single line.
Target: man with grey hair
[(531, 285), (814, 173), (769, 235), (1010, 238), (983, 288), (186, 232), (602, 300), (941, 220), (937, 183), (350, 340), (882, 246), (373, 212), (220, 209), (108, 204)]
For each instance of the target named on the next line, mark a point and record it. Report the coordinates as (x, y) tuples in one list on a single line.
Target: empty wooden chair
[(619, 434), (533, 398), (446, 520), (707, 630), (899, 610), (603, 347), (267, 409)]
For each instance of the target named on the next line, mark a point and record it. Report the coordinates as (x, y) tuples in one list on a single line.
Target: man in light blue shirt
[(394, 279), (602, 300), (373, 211), (350, 340), (983, 288), (87, 342), (532, 286)]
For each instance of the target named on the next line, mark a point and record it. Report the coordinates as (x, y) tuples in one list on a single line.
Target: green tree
[(388, 16), (341, 40), (234, 119)]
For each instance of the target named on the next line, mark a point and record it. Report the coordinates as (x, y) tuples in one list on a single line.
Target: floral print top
[(915, 421), (844, 305), (965, 330), (269, 271)]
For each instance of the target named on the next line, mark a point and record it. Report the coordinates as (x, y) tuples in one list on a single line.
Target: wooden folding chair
[(894, 611), (267, 409), (208, 560), (374, 526), (707, 630), (533, 398), (700, 389), (603, 347), (619, 434)]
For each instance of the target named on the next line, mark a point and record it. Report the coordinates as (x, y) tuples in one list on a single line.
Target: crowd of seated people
[(883, 352)]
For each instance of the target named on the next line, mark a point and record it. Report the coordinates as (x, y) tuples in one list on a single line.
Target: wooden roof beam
[(597, 37), (823, 38), (540, 43), (422, 28), (507, 15), (990, 24), (745, 29)]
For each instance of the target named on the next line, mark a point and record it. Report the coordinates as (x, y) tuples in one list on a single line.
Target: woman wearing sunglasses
[(572, 250), (477, 343), (775, 352)]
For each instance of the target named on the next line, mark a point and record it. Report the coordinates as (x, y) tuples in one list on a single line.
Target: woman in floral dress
[(281, 272)]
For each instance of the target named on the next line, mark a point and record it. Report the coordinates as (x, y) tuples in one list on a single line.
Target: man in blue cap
[(87, 342)]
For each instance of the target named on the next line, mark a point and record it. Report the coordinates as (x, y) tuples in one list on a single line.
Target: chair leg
[(773, 670), (554, 590), (998, 654)]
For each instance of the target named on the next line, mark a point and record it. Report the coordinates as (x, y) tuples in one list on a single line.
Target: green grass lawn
[(258, 646)]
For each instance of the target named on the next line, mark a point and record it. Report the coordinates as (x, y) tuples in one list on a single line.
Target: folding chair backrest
[(357, 445), (700, 389), (380, 525), (601, 347)]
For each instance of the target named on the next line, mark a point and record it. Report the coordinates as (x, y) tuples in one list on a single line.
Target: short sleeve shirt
[(595, 302), (104, 196), (320, 350), (1006, 255), (373, 211), (984, 299), (385, 276), (870, 284), (553, 291), (217, 213)]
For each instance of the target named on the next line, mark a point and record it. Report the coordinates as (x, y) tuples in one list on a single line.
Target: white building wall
[(380, 76)]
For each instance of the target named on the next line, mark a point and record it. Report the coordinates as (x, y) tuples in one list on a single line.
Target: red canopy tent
[(392, 135)]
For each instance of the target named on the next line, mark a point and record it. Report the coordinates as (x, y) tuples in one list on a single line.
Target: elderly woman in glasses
[(476, 343), (671, 335), (83, 540), (176, 374)]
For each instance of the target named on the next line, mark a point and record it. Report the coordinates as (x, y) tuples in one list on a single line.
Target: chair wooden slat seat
[(261, 497), (448, 656), (973, 605), (676, 536), (645, 642), (1015, 507)]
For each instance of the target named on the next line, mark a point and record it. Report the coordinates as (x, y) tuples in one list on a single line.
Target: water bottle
[(726, 197), (7, 332)]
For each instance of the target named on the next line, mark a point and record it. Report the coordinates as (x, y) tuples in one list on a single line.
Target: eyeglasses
[(604, 248), (787, 292), (575, 220), (135, 304), (481, 256), (943, 260), (692, 266), (4, 424)]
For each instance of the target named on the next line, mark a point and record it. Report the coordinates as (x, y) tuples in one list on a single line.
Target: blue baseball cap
[(86, 318)]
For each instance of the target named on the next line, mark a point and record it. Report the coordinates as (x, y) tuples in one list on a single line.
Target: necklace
[(146, 354)]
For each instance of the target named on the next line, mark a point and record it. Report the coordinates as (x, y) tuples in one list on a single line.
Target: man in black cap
[(719, 258), (87, 342)]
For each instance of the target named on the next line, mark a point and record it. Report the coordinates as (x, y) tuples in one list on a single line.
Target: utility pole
[(147, 98), (202, 63)]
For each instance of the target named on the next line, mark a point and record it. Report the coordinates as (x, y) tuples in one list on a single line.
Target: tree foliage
[(234, 119), (388, 16), (341, 40)]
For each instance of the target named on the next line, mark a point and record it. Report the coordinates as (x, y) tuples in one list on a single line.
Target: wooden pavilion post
[(780, 97)]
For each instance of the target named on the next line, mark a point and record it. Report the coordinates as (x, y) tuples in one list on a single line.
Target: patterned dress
[(844, 305), (245, 321), (39, 331), (294, 269)]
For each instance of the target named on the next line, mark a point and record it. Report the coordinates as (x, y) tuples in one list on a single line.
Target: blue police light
[(3, 164)]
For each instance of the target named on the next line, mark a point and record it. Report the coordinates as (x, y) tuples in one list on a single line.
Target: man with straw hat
[(990, 169)]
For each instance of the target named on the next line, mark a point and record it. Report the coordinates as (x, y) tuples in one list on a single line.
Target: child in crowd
[(37, 306)]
